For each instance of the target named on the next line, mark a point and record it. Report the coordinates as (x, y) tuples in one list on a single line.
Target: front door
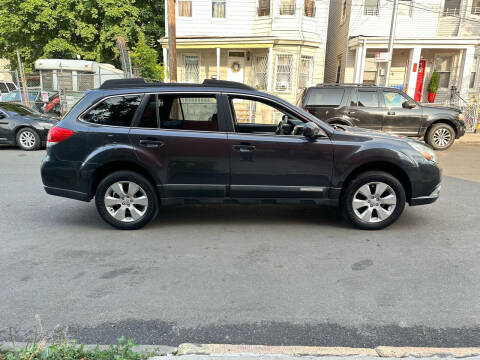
[(271, 162), (419, 85), (181, 138), (365, 110), (399, 117), (236, 66)]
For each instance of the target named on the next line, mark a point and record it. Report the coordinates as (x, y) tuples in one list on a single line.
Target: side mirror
[(408, 105), (311, 130)]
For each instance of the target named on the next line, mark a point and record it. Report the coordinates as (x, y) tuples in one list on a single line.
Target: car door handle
[(351, 112), (391, 113), (149, 143), (243, 148)]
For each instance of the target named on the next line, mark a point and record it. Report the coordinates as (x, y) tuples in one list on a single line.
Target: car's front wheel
[(28, 139), (441, 136), (373, 200), (126, 200)]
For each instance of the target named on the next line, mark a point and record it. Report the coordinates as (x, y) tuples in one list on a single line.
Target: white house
[(274, 45), (430, 34)]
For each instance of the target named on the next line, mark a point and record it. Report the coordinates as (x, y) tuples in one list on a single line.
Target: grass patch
[(73, 351)]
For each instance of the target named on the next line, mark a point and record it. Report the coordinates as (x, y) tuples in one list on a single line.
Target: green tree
[(65, 28), (145, 59)]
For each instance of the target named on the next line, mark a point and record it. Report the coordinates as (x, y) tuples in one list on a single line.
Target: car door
[(180, 137), (264, 164), (5, 130), (365, 109), (402, 115)]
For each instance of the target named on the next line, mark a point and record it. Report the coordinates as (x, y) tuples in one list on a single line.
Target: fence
[(470, 108)]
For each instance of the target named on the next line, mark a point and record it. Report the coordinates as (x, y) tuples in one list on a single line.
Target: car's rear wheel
[(126, 200), (441, 136), (28, 139), (373, 200)]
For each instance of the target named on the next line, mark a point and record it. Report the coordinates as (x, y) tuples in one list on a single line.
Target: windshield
[(15, 96), (17, 109)]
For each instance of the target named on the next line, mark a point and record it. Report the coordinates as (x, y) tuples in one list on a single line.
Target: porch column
[(358, 64), (362, 63), (165, 62), (465, 71), (413, 65), (270, 69), (218, 63)]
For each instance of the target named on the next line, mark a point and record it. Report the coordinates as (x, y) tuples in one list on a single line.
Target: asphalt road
[(287, 275)]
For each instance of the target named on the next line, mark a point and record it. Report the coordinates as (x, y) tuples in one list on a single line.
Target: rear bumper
[(425, 200), (71, 194)]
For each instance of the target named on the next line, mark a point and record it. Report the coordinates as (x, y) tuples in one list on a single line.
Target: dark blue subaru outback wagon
[(136, 146)]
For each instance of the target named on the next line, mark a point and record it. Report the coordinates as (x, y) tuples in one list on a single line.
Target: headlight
[(460, 117), (426, 152)]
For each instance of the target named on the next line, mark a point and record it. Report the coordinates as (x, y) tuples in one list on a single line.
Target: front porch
[(281, 68), (413, 63)]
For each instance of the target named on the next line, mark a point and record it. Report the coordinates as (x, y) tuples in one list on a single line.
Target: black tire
[(365, 178), (146, 189), (28, 139), (435, 141)]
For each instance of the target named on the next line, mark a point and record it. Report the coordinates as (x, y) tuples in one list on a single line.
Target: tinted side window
[(148, 119), (325, 97), (114, 111), (11, 86), (3, 88), (365, 98), (188, 113)]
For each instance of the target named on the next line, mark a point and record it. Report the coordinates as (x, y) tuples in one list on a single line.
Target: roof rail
[(229, 84), (347, 84), (123, 83)]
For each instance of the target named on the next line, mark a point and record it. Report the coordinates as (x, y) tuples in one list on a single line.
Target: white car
[(7, 86)]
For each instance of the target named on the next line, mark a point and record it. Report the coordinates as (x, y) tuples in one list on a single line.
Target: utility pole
[(22, 79), (393, 25), (172, 41)]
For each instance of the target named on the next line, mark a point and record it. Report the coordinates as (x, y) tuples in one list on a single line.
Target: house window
[(443, 65), (475, 7), (473, 74), (405, 7), (310, 9), (185, 8), (283, 73), (451, 8), (263, 8), (261, 68), (305, 76), (192, 69), (344, 12), (370, 8), (219, 8), (287, 7)]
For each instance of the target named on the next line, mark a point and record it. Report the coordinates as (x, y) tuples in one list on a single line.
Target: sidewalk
[(470, 138)]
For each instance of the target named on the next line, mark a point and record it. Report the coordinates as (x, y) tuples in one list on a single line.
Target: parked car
[(18, 97), (23, 127), (135, 146), (7, 86), (385, 109)]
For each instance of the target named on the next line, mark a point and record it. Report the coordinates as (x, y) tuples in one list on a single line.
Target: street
[(276, 275)]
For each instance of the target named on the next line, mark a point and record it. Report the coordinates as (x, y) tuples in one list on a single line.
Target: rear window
[(325, 97), (114, 111)]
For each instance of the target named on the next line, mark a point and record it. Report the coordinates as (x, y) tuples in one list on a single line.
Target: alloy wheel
[(126, 201), (442, 137), (27, 139), (374, 202)]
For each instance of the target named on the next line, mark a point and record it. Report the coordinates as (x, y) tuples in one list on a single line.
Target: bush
[(433, 85), (145, 59)]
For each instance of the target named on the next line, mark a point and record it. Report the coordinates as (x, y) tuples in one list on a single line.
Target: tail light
[(58, 134)]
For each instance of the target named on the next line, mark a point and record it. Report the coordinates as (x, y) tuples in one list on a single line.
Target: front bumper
[(460, 131), (425, 200)]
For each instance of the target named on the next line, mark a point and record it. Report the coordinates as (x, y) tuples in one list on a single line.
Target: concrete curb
[(469, 139), (380, 351)]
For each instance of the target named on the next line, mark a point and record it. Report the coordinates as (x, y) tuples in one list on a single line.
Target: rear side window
[(325, 97), (114, 111), (3, 88), (365, 98), (11, 86)]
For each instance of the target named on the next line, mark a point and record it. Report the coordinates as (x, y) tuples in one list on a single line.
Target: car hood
[(376, 134), (434, 108)]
